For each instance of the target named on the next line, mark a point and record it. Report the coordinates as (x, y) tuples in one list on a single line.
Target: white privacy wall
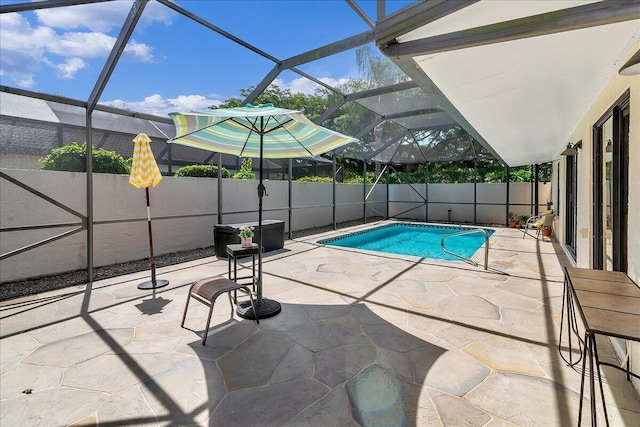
[(454, 202), (120, 226), (184, 211)]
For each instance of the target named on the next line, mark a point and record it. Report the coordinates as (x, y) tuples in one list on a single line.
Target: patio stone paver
[(396, 362), (49, 407), (29, 377), (361, 340), (71, 351), (529, 325), (456, 411), (129, 404), (511, 300), (160, 331), (187, 392), (380, 398), (110, 374), (469, 306), (14, 349), (389, 338), (535, 401), (460, 336), (253, 362), (274, 405), (323, 335), (504, 354), (298, 363), (72, 326), (336, 365), (446, 370), (297, 318), (330, 410)]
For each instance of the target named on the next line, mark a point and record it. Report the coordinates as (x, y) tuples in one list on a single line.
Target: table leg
[(564, 297), (604, 405), (229, 264), (584, 371), (235, 269), (568, 310), (592, 386), (574, 327)]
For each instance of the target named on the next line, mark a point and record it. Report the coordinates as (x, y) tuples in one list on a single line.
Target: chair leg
[(186, 306), (206, 329), (231, 301)]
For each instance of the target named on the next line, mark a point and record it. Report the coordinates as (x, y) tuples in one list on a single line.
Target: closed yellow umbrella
[(144, 169), (145, 172)]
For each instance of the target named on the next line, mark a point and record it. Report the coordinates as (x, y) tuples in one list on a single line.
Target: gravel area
[(20, 288)]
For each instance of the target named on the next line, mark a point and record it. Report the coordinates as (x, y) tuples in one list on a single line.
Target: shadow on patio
[(362, 339)]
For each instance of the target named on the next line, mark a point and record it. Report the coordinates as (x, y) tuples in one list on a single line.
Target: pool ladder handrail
[(464, 258)]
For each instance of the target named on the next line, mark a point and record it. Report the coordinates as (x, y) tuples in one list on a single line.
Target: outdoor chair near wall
[(538, 222)]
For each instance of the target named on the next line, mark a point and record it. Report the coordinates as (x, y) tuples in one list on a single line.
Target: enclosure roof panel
[(520, 74)]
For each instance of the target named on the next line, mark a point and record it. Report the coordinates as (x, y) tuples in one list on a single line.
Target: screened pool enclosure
[(399, 119)]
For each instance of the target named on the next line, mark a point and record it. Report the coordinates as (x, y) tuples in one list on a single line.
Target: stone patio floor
[(362, 339)]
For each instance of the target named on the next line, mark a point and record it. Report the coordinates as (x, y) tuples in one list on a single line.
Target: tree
[(202, 171), (246, 170), (377, 68), (311, 106), (73, 158)]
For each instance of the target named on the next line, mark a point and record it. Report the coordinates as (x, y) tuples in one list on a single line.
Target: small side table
[(238, 251)]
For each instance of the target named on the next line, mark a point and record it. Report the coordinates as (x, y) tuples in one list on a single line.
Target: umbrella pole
[(261, 191), (264, 307), (153, 284)]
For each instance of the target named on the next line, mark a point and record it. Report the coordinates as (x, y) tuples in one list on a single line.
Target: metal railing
[(464, 258)]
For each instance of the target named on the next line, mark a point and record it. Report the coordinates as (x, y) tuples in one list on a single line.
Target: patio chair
[(538, 222), (207, 290)]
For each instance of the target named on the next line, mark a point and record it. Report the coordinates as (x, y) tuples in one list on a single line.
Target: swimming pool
[(421, 240)]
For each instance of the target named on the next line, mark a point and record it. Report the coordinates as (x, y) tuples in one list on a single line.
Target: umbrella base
[(153, 284), (267, 308)]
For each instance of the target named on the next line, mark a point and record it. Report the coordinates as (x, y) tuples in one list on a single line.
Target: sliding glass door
[(571, 204), (611, 188)]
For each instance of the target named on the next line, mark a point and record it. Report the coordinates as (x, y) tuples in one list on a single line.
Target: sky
[(172, 63)]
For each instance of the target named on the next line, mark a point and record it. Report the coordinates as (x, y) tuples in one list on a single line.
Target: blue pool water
[(421, 240)]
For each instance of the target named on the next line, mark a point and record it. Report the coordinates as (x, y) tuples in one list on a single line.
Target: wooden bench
[(207, 290)]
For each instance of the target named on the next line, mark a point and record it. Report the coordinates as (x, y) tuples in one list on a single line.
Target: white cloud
[(159, 106), (68, 69), (86, 45), (24, 48), (101, 17), (138, 52), (306, 86)]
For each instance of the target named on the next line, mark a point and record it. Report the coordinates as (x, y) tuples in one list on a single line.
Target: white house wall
[(613, 90)]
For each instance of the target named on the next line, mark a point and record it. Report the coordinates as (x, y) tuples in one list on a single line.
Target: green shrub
[(315, 179), (246, 171), (202, 171), (73, 158)]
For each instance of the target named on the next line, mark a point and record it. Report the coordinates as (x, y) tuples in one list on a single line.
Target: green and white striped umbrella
[(263, 132), (250, 131)]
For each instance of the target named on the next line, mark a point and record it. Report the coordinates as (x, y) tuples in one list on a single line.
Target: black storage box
[(227, 234)]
